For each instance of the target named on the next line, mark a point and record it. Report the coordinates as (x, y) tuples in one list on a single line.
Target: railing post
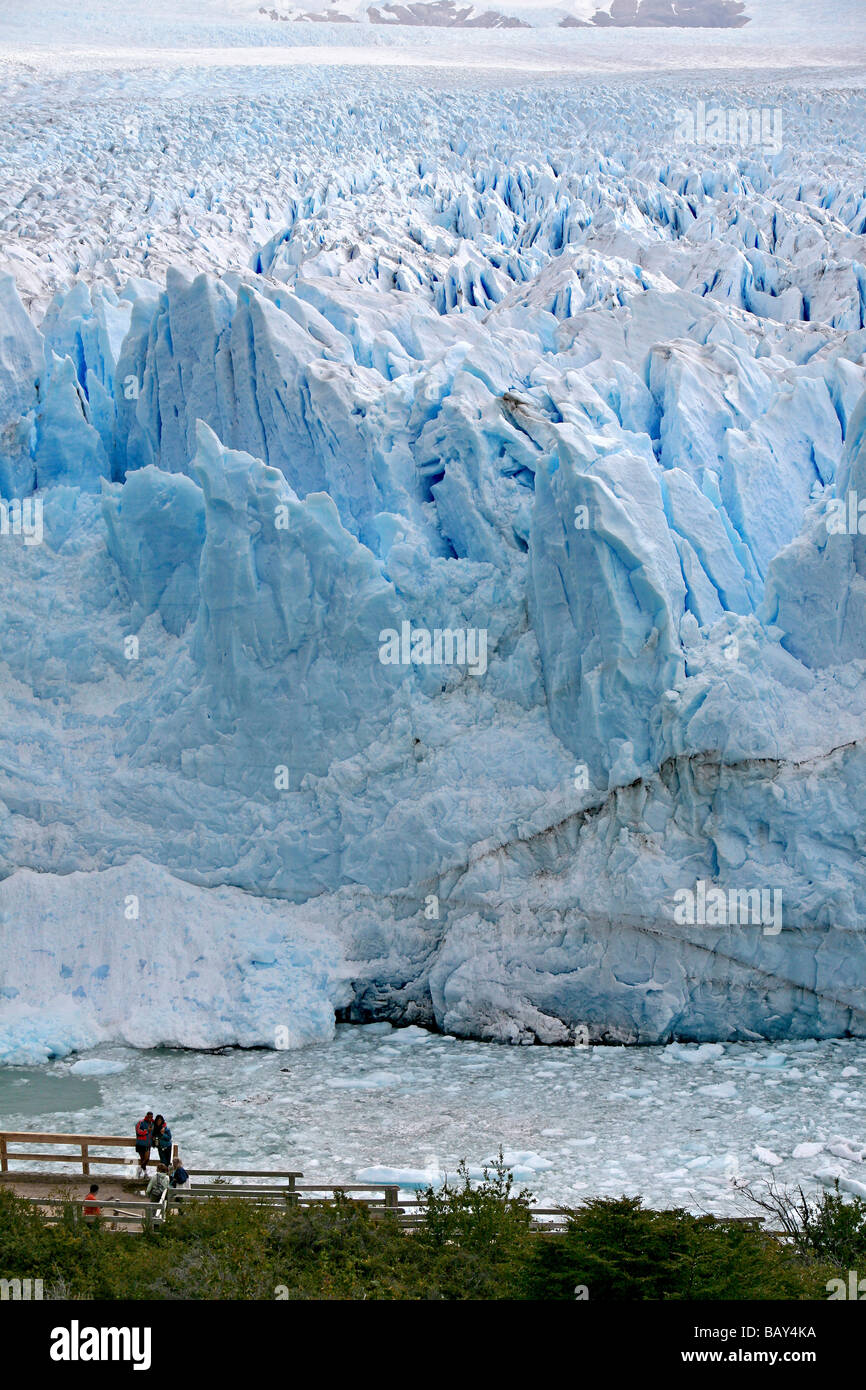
[(4, 1161), (391, 1196), (85, 1166), (291, 1194), (174, 1153)]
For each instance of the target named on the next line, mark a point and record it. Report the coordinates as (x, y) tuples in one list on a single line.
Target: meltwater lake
[(679, 1125)]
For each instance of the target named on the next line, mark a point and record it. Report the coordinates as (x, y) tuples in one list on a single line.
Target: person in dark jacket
[(144, 1140), (179, 1180), (162, 1140)]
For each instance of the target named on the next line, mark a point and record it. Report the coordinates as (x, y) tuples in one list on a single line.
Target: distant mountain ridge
[(623, 14), (688, 14), (444, 14)]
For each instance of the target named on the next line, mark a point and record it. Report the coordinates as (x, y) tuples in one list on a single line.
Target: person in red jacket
[(92, 1209), (144, 1140)]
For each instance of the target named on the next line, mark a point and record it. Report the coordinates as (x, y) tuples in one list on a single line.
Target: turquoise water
[(34, 1093)]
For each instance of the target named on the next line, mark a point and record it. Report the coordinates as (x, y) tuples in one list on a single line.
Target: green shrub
[(835, 1230), (473, 1241), (621, 1251), (829, 1226)]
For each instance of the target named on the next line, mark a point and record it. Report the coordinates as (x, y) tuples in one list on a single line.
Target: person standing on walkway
[(179, 1180), (144, 1141), (162, 1140), (158, 1184), (92, 1208)]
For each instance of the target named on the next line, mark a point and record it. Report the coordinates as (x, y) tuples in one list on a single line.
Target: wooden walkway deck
[(124, 1206), (121, 1197)]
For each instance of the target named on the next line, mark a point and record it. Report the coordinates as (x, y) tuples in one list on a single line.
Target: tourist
[(162, 1140), (144, 1141), (92, 1208), (179, 1180), (158, 1183)]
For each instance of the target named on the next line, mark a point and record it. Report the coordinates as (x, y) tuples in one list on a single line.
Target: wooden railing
[(384, 1196), (219, 1173), (282, 1186), (85, 1144), (122, 1213)]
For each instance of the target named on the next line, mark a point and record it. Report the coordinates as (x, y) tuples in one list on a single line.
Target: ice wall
[(594, 416)]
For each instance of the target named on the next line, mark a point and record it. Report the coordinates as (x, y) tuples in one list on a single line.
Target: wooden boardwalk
[(122, 1203), (124, 1206)]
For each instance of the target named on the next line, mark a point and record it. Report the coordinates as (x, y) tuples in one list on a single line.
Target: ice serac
[(587, 403), (285, 670), (155, 527), (22, 360), (68, 447), (165, 963), (816, 587), (607, 595)]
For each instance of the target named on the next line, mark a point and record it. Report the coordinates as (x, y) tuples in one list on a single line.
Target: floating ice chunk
[(696, 1055), (843, 1148), (97, 1066), (773, 1061), (830, 1174), (411, 1036), (766, 1156), (808, 1150), (410, 1178), (369, 1081), (723, 1090), (523, 1162)]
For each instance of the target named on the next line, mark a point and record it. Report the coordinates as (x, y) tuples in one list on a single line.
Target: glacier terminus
[(432, 538)]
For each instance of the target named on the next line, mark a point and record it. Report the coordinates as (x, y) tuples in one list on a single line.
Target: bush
[(472, 1242), (621, 1251), (475, 1242), (828, 1226)]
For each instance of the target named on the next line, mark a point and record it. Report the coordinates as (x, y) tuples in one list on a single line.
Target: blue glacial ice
[(551, 379)]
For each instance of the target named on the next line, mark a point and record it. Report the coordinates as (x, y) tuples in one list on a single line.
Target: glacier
[(507, 359)]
